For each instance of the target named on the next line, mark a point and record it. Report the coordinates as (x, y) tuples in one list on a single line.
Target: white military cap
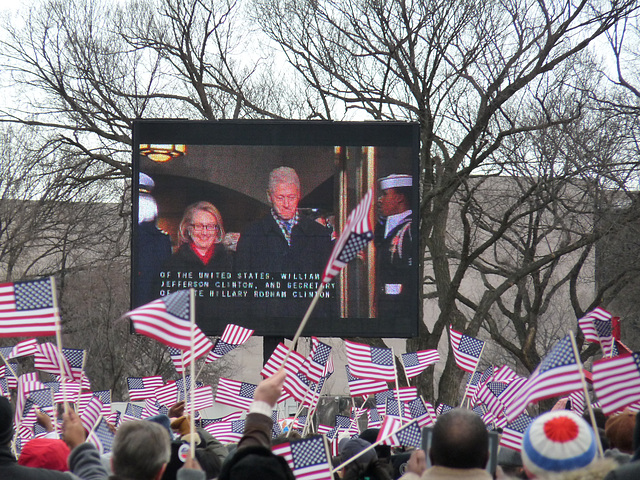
[(145, 182), (395, 181)]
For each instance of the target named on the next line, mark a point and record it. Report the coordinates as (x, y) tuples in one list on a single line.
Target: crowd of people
[(557, 445)]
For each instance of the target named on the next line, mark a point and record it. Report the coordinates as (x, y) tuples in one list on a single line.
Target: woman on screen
[(200, 236)]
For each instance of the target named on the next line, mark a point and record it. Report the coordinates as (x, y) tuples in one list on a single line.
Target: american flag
[(616, 382), (70, 364), (513, 390), (596, 327), (342, 421), (486, 376), (8, 374), (466, 350), (232, 337), (91, 413), (28, 308), (151, 408), (205, 422), (312, 397), (513, 432), (443, 408), (179, 360), (64, 392), (308, 458), (183, 385), (405, 394), (102, 437), (297, 386), (490, 393), (115, 418), (418, 411), (324, 429), (234, 393), (201, 397), (392, 432), (414, 363), (22, 349), (482, 411), (558, 374), (43, 399), (354, 237), (374, 419), (226, 432), (167, 320), (75, 358), (362, 386), (370, 362), (141, 388), (390, 424), (132, 412), (103, 395), (294, 362), (472, 385), (504, 374), (577, 402), (28, 382), (394, 408), (167, 394), (4, 388), (182, 358), (315, 365), (26, 419), (409, 435)]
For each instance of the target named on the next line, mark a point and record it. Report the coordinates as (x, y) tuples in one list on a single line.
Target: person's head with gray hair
[(141, 450), (284, 192)]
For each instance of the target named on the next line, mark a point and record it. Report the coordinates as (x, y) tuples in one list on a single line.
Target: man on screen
[(284, 242), (395, 246)]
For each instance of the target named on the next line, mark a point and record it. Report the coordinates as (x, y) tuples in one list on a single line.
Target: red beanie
[(45, 453)]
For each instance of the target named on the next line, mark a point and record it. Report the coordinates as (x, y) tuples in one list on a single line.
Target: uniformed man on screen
[(395, 247)]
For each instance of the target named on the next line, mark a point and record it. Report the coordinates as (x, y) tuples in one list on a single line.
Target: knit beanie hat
[(46, 453), (557, 441), (6, 421)]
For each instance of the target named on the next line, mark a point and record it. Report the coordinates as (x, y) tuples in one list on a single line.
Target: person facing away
[(459, 449)]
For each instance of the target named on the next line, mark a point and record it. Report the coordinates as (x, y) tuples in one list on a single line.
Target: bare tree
[(473, 74)]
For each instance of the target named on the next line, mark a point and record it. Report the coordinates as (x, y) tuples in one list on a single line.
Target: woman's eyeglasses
[(198, 227)]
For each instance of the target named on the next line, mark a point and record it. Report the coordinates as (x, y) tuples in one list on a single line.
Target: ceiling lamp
[(161, 152)]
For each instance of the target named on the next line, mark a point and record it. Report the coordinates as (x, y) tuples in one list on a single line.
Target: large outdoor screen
[(247, 213)]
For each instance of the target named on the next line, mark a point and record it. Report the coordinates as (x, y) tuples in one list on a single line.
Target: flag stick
[(304, 321), (59, 341), (84, 359), (395, 374), (184, 376), (295, 417), (464, 397), (201, 368), (586, 394), (192, 366), (373, 445)]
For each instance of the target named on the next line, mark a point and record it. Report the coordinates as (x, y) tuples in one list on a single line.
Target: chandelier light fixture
[(162, 153)]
